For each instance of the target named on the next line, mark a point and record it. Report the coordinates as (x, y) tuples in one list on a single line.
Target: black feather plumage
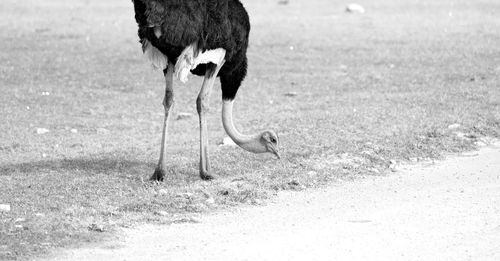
[(211, 24)]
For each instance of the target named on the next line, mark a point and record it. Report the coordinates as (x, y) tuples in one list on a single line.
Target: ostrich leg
[(202, 104), (168, 103)]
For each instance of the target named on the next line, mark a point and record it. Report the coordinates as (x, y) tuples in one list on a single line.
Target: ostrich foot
[(159, 175), (205, 176)]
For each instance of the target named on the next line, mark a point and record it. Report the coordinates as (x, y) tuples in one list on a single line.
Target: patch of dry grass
[(372, 89)]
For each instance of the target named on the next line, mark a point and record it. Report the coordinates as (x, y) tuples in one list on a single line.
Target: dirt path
[(447, 211)]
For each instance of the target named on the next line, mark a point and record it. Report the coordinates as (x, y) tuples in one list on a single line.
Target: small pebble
[(4, 208), (256, 201), (185, 195), (163, 192), (184, 115), (41, 131), (312, 173), (393, 166), (162, 213), (96, 228), (227, 141), (355, 8), (187, 220)]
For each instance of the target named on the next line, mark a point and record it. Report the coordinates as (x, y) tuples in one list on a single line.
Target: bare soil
[(440, 211)]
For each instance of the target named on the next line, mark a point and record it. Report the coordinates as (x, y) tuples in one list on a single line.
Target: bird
[(207, 38)]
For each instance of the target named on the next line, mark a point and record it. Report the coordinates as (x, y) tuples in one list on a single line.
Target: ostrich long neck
[(248, 142)]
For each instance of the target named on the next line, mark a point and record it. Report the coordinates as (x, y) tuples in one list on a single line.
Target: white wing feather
[(189, 59)]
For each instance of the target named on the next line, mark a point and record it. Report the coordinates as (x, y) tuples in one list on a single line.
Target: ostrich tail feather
[(155, 56), (185, 62), (191, 57)]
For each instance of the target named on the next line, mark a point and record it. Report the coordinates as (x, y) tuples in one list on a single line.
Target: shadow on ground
[(86, 165), (113, 165)]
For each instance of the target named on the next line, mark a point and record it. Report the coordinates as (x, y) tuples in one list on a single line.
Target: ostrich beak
[(275, 152)]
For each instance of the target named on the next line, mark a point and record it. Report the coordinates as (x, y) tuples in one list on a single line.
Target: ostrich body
[(207, 38)]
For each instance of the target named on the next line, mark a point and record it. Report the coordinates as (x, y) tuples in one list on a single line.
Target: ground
[(351, 96), (443, 211)]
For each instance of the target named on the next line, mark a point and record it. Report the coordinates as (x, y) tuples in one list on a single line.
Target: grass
[(372, 89)]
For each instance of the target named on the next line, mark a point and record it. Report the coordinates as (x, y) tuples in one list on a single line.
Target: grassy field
[(372, 90)]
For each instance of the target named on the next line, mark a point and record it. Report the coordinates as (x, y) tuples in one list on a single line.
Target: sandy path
[(447, 211)]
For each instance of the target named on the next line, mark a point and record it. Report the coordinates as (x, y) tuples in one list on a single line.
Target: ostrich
[(206, 38)]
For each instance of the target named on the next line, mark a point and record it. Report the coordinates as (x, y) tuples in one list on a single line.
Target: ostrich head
[(263, 142), (269, 140)]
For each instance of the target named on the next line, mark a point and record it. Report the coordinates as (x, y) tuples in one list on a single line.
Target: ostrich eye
[(273, 140)]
